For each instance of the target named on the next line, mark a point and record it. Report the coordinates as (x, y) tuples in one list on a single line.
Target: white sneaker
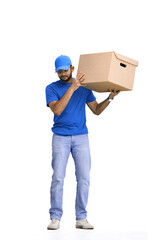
[(84, 224), (54, 224)]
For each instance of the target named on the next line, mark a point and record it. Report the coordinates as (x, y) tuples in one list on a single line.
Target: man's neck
[(70, 81)]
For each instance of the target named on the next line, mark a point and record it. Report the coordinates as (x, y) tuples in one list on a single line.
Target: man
[(67, 98)]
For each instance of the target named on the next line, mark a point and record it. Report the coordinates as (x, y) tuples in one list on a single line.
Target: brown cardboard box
[(108, 70)]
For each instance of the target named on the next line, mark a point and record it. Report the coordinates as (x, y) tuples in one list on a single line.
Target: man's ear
[(72, 68)]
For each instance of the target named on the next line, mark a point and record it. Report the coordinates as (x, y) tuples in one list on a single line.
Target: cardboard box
[(108, 70)]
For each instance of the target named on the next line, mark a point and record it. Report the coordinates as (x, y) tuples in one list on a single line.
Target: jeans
[(78, 145)]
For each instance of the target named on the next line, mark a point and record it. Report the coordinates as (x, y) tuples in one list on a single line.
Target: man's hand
[(78, 81), (113, 93)]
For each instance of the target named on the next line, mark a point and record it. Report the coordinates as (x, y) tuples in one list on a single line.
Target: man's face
[(65, 75)]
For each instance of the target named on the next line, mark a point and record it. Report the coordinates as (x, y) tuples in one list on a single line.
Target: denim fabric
[(62, 146)]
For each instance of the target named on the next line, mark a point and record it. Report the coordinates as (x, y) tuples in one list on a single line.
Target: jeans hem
[(55, 217), (80, 218)]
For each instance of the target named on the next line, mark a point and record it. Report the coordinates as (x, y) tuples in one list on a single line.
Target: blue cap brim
[(63, 68)]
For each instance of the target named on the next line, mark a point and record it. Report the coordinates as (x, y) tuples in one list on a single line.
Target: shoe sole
[(80, 227), (52, 228)]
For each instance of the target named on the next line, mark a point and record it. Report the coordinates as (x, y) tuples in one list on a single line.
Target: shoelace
[(83, 221), (54, 220), (86, 221)]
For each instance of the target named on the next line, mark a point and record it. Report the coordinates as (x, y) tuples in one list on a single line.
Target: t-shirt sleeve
[(90, 97), (51, 95)]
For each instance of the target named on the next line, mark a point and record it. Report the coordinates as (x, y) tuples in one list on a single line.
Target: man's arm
[(58, 107), (99, 108)]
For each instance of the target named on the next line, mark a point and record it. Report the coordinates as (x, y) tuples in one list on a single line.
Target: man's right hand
[(78, 81)]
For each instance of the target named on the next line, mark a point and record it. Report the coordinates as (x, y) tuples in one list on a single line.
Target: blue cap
[(62, 63)]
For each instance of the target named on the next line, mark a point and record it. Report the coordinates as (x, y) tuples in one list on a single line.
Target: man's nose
[(63, 72)]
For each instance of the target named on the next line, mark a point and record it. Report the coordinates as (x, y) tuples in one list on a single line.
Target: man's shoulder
[(85, 90), (53, 85)]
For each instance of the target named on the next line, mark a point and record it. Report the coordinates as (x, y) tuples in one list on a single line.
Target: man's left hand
[(113, 93)]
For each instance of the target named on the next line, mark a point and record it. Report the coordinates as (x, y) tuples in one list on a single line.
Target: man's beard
[(65, 81)]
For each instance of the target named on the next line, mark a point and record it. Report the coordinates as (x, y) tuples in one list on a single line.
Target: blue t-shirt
[(72, 121)]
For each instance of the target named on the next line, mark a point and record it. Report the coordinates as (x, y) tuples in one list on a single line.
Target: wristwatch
[(110, 99)]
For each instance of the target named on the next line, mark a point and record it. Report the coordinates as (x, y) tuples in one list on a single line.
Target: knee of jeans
[(58, 177), (83, 180), (82, 175)]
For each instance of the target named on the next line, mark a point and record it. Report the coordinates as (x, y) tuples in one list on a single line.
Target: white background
[(124, 194)]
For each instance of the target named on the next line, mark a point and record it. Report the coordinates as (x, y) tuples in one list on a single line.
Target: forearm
[(101, 106), (60, 105)]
